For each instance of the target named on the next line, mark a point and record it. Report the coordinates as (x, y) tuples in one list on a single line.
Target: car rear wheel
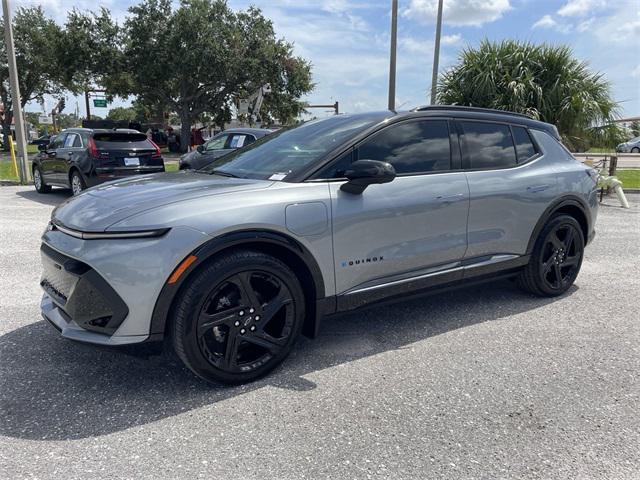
[(635, 150), (238, 317), (38, 181), (556, 258), (77, 183)]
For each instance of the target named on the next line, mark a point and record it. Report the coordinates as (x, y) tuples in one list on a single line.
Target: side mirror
[(363, 173), (200, 148), (42, 147)]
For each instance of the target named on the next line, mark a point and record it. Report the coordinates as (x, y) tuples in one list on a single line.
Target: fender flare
[(565, 201), (206, 251)]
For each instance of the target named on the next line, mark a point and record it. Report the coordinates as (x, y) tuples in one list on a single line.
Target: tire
[(38, 181), (77, 182), (238, 317), (635, 150), (556, 258)]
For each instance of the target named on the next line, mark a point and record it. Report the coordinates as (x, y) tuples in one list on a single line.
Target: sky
[(347, 41)]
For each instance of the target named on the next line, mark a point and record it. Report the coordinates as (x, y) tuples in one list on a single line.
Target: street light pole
[(15, 94), (436, 55), (392, 55)]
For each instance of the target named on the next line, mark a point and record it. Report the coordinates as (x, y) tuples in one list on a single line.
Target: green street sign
[(99, 103)]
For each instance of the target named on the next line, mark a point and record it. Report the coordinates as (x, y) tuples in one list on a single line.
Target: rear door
[(511, 184), (126, 151), (391, 233), (72, 144)]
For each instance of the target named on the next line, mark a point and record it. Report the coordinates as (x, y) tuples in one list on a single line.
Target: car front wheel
[(38, 181), (635, 150), (556, 258), (238, 317)]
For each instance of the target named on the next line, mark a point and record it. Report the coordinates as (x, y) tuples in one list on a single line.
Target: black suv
[(78, 158)]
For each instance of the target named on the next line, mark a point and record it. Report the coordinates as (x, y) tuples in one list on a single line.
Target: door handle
[(537, 188), (450, 198)]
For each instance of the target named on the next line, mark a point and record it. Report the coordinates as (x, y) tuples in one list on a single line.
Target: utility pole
[(86, 102), (392, 55), (15, 94), (436, 55)]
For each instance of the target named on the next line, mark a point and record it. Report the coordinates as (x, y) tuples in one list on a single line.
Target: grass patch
[(629, 178), (171, 166), (7, 172)]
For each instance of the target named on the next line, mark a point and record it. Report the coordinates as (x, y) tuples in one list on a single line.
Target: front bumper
[(104, 291)]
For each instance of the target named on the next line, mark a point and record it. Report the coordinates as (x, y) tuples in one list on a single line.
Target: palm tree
[(543, 81)]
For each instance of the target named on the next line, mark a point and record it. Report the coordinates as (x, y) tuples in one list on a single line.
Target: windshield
[(288, 151)]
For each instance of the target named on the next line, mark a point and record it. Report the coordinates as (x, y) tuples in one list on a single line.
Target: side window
[(58, 141), (85, 138), (237, 140), (488, 145), (70, 140), (525, 149), (338, 167), (250, 139), (217, 142), (411, 147)]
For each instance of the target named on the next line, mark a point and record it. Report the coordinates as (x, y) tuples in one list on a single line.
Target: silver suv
[(231, 263)]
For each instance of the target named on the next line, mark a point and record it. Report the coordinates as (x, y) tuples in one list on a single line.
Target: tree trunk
[(185, 132)]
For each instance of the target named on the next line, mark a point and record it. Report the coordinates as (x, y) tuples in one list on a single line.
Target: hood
[(97, 208)]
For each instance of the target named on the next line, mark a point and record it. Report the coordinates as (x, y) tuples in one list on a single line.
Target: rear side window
[(238, 140), (411, 147), (111, 140), (525, 149), (488, 145)]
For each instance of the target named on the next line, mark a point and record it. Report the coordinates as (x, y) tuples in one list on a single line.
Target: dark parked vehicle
[(78, 158), (220, 145)]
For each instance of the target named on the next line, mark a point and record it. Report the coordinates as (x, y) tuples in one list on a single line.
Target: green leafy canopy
[(543, 81)]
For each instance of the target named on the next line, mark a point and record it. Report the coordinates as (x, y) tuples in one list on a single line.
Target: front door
[(409, 227), (49, 160)]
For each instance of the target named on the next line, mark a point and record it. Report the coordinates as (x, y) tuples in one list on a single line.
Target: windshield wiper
[(223, 173)]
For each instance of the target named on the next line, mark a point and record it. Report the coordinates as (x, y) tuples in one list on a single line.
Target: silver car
[(631, 146), (230, 264)]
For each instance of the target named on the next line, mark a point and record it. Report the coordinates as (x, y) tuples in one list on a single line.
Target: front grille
[(81, 293)]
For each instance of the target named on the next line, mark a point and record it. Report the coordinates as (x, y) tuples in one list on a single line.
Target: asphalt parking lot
[(482, 383)]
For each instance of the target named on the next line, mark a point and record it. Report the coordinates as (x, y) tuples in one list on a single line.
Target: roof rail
[(463, 108)]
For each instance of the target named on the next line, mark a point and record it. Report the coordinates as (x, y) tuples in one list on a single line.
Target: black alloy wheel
[(239, 317), (556, 258)]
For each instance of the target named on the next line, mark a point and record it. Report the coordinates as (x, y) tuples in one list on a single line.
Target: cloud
[(548, 22), (454, 39), (635, 73), (580, 8), (458, 12)]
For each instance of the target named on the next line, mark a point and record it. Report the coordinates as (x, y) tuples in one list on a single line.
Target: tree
[(635, 128), (36, 43), (90, 53), (543, 81), (123, 113), (201, 57)]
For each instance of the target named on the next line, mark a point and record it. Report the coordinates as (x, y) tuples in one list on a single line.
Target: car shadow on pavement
[(54, 389), (53, 198)]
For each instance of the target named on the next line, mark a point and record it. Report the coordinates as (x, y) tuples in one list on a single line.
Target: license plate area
[(132, 161)]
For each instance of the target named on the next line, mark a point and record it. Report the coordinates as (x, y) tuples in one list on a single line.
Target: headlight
[(109, 235)]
